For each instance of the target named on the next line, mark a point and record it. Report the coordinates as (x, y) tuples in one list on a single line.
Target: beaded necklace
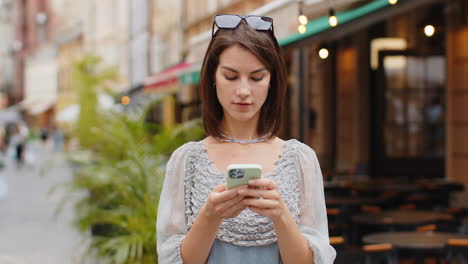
[(243, 141)]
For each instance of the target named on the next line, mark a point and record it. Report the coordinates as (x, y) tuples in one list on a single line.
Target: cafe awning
[(313, 28), (166, 79), (321, 24)]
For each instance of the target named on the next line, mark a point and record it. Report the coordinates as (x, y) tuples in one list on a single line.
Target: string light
[(302, 29), (323, 53), (302, 19), (332, 19), (429, 30), (392, 2)]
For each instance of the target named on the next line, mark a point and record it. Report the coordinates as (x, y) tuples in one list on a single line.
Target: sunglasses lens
[(259, 22), (227, 21)]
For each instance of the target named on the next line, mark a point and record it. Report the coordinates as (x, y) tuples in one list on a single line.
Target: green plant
[(89, 76), (120, 168), (122, 175)]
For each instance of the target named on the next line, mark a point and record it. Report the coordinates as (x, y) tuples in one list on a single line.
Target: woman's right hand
[(223, 203)]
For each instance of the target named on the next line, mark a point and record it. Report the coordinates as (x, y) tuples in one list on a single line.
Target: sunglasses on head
[(232, 21)]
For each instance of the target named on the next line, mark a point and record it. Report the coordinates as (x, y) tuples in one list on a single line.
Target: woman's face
[(242, 83)]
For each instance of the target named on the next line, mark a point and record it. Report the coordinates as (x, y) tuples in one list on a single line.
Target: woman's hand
[(223, 203), (266, 200)]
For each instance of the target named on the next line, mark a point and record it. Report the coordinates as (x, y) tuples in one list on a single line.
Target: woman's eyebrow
[(259, 70), (231, 69)]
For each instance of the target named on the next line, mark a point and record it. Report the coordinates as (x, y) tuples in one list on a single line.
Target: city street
[(29, 230)]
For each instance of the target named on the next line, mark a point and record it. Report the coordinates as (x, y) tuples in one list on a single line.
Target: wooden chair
[(379, 252), (437, 255), (456, 212), (338, 242), (426, 228), (422, 201), (391, 199), (457, 251), (336, 221), (407, 207), (370, 209), (344, 254)]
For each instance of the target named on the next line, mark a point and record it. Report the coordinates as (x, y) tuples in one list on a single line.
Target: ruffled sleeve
[(313, 217), (170, 224)]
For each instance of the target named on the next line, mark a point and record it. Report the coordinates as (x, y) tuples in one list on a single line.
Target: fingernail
[(252, 181), (242, 191)]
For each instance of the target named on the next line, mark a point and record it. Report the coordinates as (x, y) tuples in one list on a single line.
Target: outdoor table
[(377, 187), (404, 218), (351, 201), (413, 241)]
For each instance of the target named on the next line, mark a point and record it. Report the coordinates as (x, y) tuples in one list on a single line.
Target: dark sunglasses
[(232, 21)]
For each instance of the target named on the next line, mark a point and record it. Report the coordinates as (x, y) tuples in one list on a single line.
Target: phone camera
[(236, 174)]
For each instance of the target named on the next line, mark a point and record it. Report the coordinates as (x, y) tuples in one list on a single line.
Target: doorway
[(408, 115)]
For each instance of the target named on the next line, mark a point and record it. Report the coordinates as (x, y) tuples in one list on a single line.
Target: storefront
[(41, 86), (383, 97)]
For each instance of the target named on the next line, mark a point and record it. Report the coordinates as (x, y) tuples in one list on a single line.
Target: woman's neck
[(243, 130)]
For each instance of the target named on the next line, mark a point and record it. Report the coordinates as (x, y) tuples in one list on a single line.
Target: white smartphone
[(240, 174)]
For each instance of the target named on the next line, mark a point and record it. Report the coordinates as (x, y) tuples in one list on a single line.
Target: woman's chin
[(243, 117)]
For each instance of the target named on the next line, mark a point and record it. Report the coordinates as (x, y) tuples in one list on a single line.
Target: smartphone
[(240, 174)]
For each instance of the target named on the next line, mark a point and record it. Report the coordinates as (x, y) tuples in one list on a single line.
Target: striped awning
[(166, 78)]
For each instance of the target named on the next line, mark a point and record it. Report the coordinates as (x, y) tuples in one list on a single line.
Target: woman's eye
[(230, 78), (257, 79)]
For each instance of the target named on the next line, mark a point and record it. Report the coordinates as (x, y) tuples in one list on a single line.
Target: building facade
[(388, 97), (6, 52), (69, 44)]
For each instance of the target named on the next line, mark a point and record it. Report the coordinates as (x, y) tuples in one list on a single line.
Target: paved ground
[(29, 230)]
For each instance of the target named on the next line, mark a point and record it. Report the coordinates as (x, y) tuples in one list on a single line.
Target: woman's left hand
[(265, 200)]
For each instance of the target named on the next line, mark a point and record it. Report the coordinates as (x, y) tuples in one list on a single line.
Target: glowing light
[(332, 19), (301, 29), (323, 53), (125, 100), (302, 19), (429, 30), (392, 2)]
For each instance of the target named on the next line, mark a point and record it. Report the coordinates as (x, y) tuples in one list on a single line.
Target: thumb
[(220, 188)]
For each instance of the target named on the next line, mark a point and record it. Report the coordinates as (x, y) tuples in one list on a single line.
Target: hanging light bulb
[(429, 30), (302, 29), (392, 2), (323, 53), (302, 19), (332, 19)]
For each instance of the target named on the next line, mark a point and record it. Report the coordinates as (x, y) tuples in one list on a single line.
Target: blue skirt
[(223, 252)]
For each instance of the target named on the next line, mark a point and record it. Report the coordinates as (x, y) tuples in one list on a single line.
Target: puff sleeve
[(313, 217), (170, 223)]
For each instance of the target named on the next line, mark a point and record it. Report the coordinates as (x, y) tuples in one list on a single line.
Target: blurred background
[(95, 96)]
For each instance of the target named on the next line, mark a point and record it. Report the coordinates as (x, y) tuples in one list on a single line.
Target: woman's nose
[(243, 89)]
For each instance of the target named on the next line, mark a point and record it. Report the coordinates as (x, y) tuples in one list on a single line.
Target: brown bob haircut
[(262, 44)]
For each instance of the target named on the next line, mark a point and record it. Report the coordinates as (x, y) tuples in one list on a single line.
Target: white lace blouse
[(191, 176)]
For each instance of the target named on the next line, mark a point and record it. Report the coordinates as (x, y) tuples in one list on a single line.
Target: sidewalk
[(29, 231)]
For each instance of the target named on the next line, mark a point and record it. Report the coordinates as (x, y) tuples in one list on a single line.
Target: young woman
[(283, 220)]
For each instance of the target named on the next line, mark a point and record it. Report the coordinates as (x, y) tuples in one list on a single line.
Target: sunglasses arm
[(212, 29)]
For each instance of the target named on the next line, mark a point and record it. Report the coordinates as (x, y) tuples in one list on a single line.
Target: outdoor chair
[(379, 253), (344, 253), (337, 223), (426, 228), (457, 251)]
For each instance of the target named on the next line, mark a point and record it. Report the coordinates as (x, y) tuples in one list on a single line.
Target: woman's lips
[(242, 105)]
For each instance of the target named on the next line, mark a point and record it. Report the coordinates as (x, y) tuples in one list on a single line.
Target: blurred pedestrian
[(18, 141), (58, 138), (283, 217)]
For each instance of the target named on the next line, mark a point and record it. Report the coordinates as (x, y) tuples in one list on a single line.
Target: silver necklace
[(243, 141)]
